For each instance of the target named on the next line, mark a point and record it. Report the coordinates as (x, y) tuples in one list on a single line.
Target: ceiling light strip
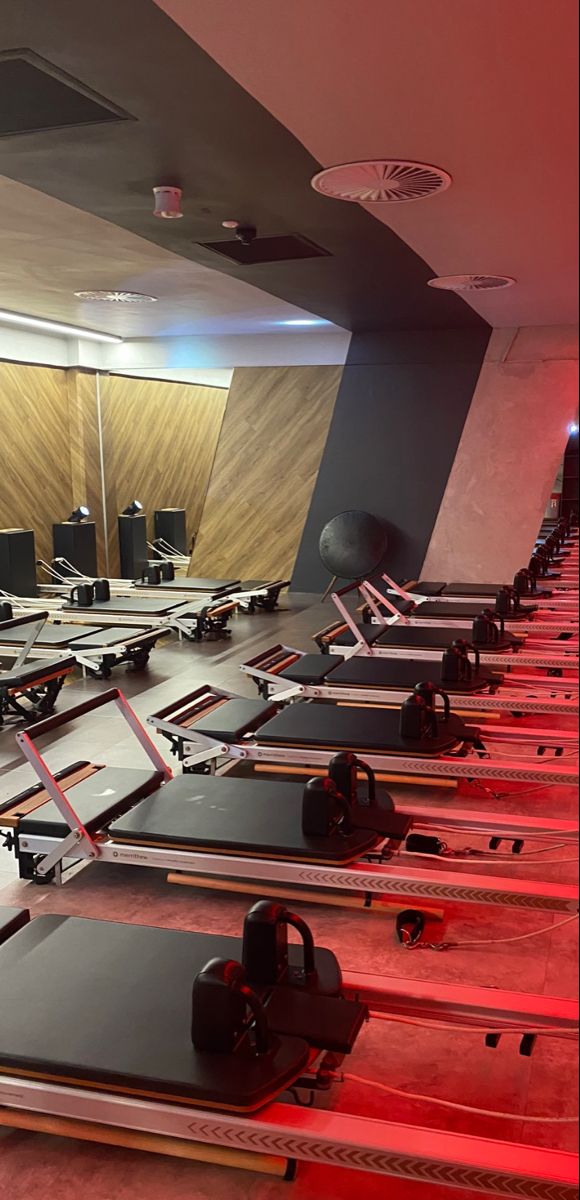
[(90, 335)]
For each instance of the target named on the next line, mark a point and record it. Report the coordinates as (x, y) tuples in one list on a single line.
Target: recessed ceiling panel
[(36, 96)]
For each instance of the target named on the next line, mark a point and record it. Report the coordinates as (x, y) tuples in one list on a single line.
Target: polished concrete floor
[(454, 1066)]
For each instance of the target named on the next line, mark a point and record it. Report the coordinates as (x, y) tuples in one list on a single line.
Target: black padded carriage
[(237, 817), (439, 611), (214, 587), (105, 1005), (389, 673), (417, 637), (96, 800), (485, 590), (138, 605), (376, 730), (52, 636), (111, 635)]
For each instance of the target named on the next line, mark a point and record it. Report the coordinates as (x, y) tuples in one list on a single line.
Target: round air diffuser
[(471, 283), (381, 181), (353, 545), (106, 297)]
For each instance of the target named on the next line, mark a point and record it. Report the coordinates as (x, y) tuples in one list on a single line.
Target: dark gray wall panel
[(398, 418)]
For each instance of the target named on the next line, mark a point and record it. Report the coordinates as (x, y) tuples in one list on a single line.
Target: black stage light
[(132, 509), (80, 514)]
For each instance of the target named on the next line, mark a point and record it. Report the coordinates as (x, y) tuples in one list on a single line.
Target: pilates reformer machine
[(159, 577), (29, 686), (414, 609), (284, 673), (496, 646), (321, 842), (417, 741), (96, 649), (193, 621), (224, 1062)]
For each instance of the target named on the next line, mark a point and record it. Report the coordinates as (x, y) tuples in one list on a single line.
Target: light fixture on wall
[(45, 326), (573, 428), (132, 509), (79, 514)]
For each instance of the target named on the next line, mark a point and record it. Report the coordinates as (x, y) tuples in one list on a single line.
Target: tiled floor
[(452, 1065)]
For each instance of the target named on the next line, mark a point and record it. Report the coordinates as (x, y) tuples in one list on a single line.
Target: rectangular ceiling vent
[(36, 96), (287, 248)]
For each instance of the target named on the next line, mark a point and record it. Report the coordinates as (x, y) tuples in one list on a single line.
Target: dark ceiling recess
[(36, 96), (267, 250)]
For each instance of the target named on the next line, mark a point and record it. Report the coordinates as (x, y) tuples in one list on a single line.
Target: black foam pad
[(427, 589), (234, 718), (234, 816), (353, 545), (96, 800), (110, 1005), (312, 668), (318, 725)]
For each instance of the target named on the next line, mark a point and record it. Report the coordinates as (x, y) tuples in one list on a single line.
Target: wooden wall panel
[(268, 455), (35, 476), (159, 443), (85, 464)]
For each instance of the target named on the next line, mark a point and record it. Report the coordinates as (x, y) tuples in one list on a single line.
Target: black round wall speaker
[(353, 545)]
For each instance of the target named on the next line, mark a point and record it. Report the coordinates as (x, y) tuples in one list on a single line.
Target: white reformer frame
[(560, 603), (197, 748), (367, 877), (528, 695), (433, 1156), (88, 659)]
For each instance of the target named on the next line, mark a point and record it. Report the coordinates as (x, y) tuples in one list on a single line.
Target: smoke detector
[(107, 297), (471, 283), (167, 202), (381, 181)]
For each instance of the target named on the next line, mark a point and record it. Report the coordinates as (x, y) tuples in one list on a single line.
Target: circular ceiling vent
[(381, 181), (116, 297), (472, 283)]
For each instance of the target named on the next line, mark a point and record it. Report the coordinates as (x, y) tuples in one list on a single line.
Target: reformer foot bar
[(284, 673), (29, 689), (150, 1067), (94, 649), (210, 723), (220, 827), (460, 593)]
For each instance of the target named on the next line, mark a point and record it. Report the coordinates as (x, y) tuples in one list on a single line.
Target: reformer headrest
[(6, 610), (325, 811), (265, 944), (418, 720), (83, 595), (220, 1002)]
